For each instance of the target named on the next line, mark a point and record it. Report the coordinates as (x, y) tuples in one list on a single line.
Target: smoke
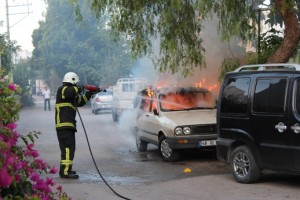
[(127, 124), (216, 51)]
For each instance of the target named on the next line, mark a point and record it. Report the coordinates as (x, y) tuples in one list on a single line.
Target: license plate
[(205, 143)]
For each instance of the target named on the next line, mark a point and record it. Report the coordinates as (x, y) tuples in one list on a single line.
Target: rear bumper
[(103, 106)]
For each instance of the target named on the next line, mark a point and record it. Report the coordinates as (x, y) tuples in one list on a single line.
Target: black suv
[(258, 120)]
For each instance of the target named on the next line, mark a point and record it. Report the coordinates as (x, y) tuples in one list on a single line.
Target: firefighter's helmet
[(71, 77)]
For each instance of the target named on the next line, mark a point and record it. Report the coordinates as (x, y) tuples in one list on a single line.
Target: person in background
[(47, 95), (69, 96)]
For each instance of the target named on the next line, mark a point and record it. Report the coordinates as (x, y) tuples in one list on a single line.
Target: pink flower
[(12, 86), (12, 126), (40, 164), (10, 161), (53, 170), (59, 188), (49, 181), (34, 176), (35, 153), (18, 165), (5, 178), (30, 146)]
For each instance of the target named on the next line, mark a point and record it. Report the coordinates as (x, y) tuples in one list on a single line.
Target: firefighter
[(69, 96)]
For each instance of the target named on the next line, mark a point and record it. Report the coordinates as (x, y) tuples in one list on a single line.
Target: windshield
[(186, 100)]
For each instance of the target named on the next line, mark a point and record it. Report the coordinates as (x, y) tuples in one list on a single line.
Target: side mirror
[(155, 111)]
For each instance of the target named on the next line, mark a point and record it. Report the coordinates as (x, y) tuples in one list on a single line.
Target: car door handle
[(296, 128), (280, 127)]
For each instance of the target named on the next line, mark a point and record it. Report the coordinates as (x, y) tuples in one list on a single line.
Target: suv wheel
[(167, 154), (140, 144), (243, 165)]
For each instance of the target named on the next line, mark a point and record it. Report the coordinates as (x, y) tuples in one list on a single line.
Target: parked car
[(102, 101), (175, 119), (258, 120)]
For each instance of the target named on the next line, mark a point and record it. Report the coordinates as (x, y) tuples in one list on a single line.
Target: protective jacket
[(67, 99)]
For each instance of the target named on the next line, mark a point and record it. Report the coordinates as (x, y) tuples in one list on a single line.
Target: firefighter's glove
[(80, 88), (100, 90)]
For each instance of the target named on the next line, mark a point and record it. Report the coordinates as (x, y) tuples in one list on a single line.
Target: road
[(144, 175)]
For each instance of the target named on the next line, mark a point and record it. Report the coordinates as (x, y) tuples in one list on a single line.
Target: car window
[(269, 95), (186, 100), (145, 104), (235, 95)]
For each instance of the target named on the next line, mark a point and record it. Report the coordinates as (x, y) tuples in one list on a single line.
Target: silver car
[(175, 119), (102, 101)]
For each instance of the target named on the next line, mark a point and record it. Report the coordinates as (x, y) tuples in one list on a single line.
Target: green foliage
[(227, 65), (176, 26), (20, 167), (269, 42), (8, 109), (82, 45), (22, 73), (7, 48), (30, 137)]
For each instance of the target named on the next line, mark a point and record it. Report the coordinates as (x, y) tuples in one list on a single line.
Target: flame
[(150, 92), (187, 100), (202, 84)]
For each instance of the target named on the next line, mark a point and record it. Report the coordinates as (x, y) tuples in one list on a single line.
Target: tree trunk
[(291, 34)]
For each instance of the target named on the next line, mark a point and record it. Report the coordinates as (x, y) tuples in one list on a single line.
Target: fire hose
[(94, 88)]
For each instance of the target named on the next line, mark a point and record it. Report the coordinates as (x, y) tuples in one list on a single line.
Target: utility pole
[(7, 21), (8, 26)]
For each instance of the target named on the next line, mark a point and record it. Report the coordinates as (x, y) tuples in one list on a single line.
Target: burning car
[(175, 119)]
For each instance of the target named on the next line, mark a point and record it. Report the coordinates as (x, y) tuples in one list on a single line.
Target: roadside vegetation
[(22, 172)]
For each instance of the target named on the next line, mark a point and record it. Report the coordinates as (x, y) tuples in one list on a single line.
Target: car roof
[(164, 90), (257, 69), (269, 67)]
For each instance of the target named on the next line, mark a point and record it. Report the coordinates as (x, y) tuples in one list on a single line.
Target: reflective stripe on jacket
[(67, 100)]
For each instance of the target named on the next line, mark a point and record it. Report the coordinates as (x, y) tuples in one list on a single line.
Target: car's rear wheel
[(243, 165), (140, 144), (167, 154)]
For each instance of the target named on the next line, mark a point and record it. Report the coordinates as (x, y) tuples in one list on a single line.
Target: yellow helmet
[(71, 77)]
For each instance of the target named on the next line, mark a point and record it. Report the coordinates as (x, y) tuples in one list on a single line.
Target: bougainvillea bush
[(23, 175)]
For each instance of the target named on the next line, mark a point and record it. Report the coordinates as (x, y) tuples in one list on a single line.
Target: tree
[(7, 48), (177, 25), (84, 47)]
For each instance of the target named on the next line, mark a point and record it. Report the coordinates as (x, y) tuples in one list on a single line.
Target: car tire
[(243, 165), (166, 153), (141, 145)]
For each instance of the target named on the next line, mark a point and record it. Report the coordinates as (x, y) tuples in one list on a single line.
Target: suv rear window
[(266, 91), (235, 95)]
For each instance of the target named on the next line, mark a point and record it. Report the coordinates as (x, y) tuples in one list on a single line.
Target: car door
[(294, 123), (269, 120), (147, 121)]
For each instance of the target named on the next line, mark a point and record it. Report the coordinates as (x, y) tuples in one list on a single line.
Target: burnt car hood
[(191, 117)]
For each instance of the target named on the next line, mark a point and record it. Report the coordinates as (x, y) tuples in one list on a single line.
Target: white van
[(124, 92)]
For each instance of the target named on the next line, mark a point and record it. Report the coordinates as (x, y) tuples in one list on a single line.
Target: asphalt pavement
[(210, 187)]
